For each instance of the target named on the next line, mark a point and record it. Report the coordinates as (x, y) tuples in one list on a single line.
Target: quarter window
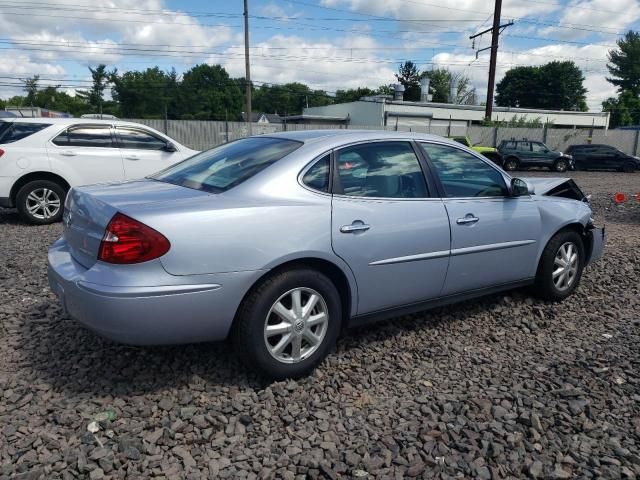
[(17, 131), (462, 174), (317, 177), (89, 136), (381, 169), (132, 138)]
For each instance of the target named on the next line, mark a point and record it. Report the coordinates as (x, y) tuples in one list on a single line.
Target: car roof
[(347, 136), (70, 121)]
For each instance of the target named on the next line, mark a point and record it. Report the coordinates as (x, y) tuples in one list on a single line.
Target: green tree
[(95, 96), (353, 94), (624, 65), (409, 76), (3, 104), (288, 99), (31, 88), (440, 82), (554, 86), (207, 91), (146, 94), (624, 110), (384, 90)]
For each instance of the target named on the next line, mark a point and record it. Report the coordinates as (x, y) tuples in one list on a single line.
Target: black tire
[(55, 195), (628, 167), (545, 287), (510, 164), (561, 165), (254, 314)]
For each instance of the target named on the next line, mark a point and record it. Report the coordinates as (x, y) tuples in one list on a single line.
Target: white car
[(41, 158)]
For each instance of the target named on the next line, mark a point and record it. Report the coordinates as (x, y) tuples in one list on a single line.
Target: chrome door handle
[(354, 227), (132, 157), (68, 153), (467, 219)]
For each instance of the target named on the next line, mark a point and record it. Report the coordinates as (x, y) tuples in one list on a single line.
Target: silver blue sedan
[(281, 241)]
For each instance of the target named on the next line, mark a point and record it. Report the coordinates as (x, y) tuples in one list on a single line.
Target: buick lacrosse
[(281, 241)]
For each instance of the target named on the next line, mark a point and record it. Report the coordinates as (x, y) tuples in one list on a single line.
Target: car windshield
[(224, 167)]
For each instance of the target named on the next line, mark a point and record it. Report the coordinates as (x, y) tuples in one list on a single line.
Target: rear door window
[(14, 131), (381, 170), (139, 139), (86, 136)]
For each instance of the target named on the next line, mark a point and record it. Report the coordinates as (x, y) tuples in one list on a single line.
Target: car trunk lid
[(88, 211)]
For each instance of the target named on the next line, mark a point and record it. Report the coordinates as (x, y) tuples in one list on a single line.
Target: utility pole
[(496, 30), (247, 66)]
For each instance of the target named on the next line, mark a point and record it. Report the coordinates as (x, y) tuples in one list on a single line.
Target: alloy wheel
[(43, 203), (565, 266), (296, 325)]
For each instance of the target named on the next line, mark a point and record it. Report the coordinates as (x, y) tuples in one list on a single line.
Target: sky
[(327, 44)]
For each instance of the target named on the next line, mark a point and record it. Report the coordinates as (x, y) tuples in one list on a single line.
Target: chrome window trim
[(408, 140), (83, 125), (505, 176)]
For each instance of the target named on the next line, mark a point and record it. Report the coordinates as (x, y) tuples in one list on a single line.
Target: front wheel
[(560, 267), (41, 202), (561, 165), (289, 323), (628, 167)]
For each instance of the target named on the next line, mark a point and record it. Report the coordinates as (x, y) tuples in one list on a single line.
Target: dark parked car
[(527, 153), (602, 157)]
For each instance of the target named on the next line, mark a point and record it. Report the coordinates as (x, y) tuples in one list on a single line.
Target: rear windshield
[(224, 167), (13, 131)]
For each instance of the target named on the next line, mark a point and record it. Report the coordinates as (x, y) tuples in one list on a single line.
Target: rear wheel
[(560, 267), (289, 323), (41, 202), (561, 165), (629, 167), (510, 164)]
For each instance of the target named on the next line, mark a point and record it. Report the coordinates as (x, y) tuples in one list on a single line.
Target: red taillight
[(1, 152), (128, 241)]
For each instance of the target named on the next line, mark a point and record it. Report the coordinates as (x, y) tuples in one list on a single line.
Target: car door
[(144, 153), (524, 153), (493, 237), (540, 154), (612, 158), (387, 226), (88, 152)]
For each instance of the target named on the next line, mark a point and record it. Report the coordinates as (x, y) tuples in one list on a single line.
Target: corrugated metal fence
[(201, 135)]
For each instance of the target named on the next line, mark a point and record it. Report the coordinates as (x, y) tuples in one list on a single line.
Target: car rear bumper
[(187, 311)]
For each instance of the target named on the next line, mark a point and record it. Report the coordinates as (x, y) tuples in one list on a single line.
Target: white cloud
[(595, 17), (322, 65), (15, 66), (451, 12), (590, 58)]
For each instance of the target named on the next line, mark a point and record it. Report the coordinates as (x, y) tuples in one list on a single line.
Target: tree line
[(208, 92)]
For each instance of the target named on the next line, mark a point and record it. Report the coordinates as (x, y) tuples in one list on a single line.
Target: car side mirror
[(518, 188), (170, 147)]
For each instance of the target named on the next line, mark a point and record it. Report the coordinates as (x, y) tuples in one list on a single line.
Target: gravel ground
[(506, 386)]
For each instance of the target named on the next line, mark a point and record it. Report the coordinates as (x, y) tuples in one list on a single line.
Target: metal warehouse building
[(383, 111)]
